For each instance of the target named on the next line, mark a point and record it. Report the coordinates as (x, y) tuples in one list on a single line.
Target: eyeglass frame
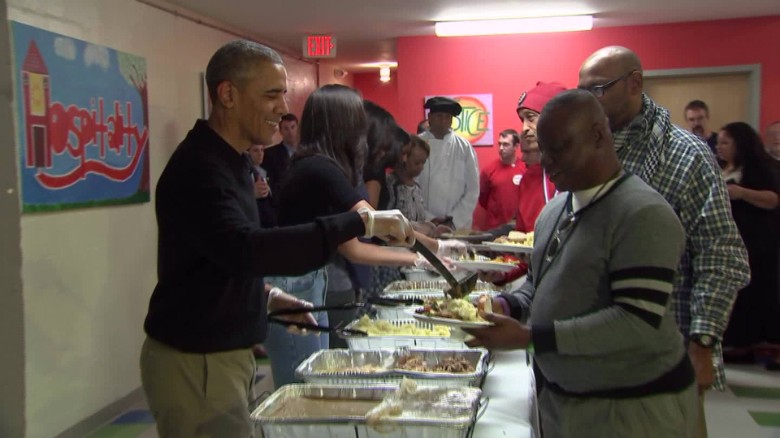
[(601, 90)]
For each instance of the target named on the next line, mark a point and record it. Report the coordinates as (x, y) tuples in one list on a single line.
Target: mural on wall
[(82, 120), (475, 122)]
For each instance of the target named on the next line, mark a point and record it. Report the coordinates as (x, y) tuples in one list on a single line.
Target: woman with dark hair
[(754, 188), (384, 145), (322, 180)]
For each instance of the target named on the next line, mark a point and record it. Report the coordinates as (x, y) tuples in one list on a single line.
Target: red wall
[(508, 65), (384, 94)]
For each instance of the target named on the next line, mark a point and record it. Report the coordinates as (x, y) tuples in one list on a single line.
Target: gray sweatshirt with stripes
[(599, 309)]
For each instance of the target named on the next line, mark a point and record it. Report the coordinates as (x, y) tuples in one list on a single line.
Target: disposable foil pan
[(436, 286), (379, 367), (431, 412), (356, 342)]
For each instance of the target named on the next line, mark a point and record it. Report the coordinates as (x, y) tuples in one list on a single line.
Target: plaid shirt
[(714, 265)]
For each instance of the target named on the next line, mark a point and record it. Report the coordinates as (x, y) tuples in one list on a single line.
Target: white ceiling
[(366, 29)]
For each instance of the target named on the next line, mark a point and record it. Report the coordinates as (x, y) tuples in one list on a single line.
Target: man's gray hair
[(233, 61)]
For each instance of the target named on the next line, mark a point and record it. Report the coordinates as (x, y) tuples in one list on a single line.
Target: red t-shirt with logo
[(498, 191)]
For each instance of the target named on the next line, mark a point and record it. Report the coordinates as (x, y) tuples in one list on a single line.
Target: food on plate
[(485, 303), (505, 259), (381, 327), (453, 364), (516, 238), (452, 308)]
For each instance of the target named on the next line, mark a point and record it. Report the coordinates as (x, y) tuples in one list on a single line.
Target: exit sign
[(319, 46)]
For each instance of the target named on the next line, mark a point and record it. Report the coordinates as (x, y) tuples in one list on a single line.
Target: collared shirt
[(714, 265)]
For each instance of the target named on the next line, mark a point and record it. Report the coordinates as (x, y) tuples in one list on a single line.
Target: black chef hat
[(441, 104)]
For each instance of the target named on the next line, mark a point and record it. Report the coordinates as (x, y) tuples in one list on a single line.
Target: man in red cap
[(535, 189)]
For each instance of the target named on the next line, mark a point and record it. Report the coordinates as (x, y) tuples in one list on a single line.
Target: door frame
[(754, 82)]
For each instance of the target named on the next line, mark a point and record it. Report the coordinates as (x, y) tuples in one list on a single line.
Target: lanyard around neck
[(569, 224)]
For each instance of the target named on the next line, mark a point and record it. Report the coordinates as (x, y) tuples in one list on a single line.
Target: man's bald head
[(616, 57), (575, 140), (614, 75)]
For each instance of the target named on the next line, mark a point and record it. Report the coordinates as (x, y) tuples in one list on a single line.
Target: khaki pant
[(701, 432), (198, 395)]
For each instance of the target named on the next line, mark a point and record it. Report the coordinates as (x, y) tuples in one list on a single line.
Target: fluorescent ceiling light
[(515, 25), (380, 64)]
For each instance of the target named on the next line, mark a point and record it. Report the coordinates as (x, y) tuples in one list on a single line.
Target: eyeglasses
[(599, 90), (555, 242)]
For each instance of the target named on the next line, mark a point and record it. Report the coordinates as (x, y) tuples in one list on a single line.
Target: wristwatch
[(705, 341)]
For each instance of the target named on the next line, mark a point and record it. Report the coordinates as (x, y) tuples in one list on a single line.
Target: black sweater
[(212, 253)]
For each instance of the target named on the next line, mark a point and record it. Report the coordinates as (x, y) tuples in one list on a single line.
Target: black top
[(378, 175), (212, 253), (759, 228), (314, 186)]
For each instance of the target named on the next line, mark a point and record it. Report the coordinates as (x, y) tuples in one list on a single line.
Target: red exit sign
[(319, 46)]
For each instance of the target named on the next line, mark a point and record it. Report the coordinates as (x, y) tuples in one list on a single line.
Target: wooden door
[(727, 96)]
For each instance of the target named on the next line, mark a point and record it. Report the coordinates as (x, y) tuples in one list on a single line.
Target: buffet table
[(509, 388)]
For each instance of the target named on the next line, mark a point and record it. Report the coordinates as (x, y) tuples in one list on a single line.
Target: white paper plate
[(475, 265), (509, 247), (476, 237), (449, 322)]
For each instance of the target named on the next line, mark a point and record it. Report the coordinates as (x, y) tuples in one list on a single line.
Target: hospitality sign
[(82, 121)]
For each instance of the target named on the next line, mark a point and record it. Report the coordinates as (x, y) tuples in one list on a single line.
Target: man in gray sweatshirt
[(595, 307)]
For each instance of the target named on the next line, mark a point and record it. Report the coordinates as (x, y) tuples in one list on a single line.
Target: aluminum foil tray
[(436, 286), (455, 341), (378, 367), (431, 412)]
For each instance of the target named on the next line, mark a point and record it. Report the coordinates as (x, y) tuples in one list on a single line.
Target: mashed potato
[(457, 308), (381, 327)]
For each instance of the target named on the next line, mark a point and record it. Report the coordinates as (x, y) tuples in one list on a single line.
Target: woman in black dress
[(754, 189)]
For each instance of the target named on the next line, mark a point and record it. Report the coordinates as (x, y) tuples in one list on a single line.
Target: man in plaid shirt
[(681, 168)]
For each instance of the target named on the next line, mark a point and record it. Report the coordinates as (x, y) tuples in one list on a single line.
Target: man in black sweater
[(210, 303)]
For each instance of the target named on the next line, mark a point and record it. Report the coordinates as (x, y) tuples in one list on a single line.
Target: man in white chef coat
[(450, 179)]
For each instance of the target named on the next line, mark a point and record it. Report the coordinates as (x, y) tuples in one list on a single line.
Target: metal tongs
[(458, 289), (394, 302), (273, 318)]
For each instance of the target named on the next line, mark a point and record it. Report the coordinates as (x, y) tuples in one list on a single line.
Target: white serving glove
[(451, 248), (388, 225), (423, 263)]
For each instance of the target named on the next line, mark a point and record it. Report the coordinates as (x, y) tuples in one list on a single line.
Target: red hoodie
[(531, 202), (531, 198)]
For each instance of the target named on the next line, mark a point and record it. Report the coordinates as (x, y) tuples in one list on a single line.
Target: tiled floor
[(749, 409)]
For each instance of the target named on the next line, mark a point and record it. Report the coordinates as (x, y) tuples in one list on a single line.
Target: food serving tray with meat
[(426, 366), (400, 411)]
